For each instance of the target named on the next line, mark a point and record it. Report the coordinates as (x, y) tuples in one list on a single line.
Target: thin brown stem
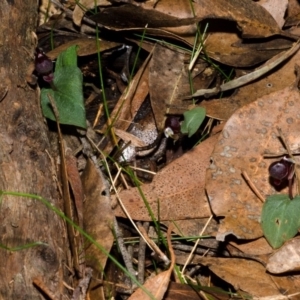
[(252, 186)]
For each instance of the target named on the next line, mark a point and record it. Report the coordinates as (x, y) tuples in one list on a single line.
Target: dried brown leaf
[(84, 6), (179, 189), (179, 291), (98, 218), (255, 248), (85, 47), (247, 135), (178, 17), (246, 275), (165, 72), (76, 185), (278, 79), (131, 100), (228, 48)]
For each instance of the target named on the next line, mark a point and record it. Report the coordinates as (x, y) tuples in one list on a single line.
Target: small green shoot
[(66, 91), (192, 120)]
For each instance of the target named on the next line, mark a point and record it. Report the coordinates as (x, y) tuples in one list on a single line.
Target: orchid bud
[(43, 64)]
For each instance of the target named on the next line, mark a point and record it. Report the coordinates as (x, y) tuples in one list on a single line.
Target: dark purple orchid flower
[(44, 65), (283, 170)]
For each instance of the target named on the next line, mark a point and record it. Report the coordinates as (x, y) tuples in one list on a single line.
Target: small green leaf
[(68, 95), (67, 58), (192, 120), (280, 219)]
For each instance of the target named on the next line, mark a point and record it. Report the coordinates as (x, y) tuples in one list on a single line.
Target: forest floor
[(185, 178)]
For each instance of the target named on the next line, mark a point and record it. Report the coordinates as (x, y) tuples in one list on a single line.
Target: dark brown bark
[(25, 166)]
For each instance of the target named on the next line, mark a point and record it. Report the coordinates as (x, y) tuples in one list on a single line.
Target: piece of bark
[(25, 167)]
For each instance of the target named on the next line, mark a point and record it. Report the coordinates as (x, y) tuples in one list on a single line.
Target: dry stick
[(249, 77), (287, 147), (126, 257), (252, 186), (142, 254), (155, 248), (196, 244)]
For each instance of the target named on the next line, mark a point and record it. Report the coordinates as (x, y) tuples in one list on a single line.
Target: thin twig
[(155, 248), (127, 259), (196, 245), (142, 255), (252, 186)]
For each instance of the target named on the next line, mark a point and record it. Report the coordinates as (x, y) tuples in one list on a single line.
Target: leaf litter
[(241, 37)]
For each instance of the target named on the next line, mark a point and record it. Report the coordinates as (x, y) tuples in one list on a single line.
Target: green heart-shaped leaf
[(192, 120), (68, 94), (280, 219)]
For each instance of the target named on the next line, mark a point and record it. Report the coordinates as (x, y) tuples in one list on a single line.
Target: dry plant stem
[(116, 178), (249, 77), (38, 282), (142, 170), (154, 247), (192, 63), (187, 248), (115, 190), (252, 186), (99, 112), (142, 254), (196, 244), (287, 147), (126, 257), (122, 176)]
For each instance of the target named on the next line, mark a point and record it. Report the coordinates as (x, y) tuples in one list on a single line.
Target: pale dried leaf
[(276, 8), (286, 259)]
